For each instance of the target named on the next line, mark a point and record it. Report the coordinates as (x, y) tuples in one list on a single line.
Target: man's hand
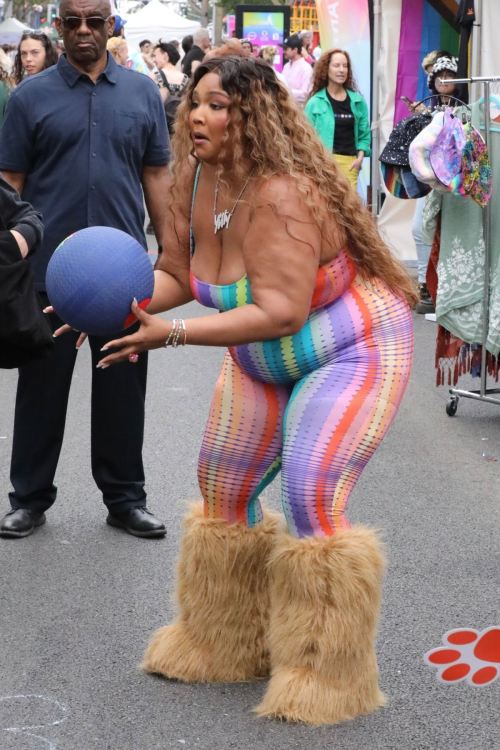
[(23, 245), (155, 183), (65, 328)]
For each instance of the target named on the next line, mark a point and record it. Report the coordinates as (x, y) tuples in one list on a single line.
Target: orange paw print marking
[(467, 655)]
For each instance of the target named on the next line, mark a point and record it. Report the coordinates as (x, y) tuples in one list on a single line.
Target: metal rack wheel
[(452, 406)]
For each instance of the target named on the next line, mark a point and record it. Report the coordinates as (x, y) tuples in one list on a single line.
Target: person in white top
[(297, 71)]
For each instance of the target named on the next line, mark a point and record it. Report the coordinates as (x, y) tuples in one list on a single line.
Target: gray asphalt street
[(79, 599)]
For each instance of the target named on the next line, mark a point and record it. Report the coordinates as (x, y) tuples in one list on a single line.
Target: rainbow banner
[(423, 30), (346, 24)]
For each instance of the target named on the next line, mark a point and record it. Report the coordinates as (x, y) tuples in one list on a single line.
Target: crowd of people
[(323, 84), (256, 217)]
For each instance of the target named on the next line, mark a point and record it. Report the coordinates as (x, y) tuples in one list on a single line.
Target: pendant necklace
[(222, 220)]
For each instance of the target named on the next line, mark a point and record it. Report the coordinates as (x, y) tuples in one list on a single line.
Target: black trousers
[(117, 425)]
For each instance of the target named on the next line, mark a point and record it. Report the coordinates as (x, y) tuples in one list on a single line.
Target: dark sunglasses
[(96, 23)]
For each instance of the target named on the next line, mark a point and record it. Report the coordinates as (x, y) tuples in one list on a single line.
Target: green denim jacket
[(320, 114)]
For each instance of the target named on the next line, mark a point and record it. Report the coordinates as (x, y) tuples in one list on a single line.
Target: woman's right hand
[(65, 329)]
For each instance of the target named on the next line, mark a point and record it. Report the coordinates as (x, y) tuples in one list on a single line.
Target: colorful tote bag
[(420, 151), (446, 154), (476, 168)]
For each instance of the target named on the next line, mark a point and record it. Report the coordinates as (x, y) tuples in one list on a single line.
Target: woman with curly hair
[(314, 314), (339, 113), (35, 53)]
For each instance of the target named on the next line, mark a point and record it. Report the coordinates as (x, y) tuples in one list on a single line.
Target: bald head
[(72, 7), (85, 40)]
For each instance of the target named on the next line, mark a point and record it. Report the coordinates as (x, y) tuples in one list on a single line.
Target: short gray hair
[(200, 34)]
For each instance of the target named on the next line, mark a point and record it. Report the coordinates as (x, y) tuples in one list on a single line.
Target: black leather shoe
[(138, 522), (20, 522)]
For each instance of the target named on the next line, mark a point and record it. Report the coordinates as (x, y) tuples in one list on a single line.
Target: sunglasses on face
[(96, 23)]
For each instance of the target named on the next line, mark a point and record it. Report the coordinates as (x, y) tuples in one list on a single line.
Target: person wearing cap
[(135, 60), (439, 65), (297, 71), (427, 65), (445, 68)]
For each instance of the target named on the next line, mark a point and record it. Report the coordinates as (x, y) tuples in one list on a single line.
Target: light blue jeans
[(423, 251)]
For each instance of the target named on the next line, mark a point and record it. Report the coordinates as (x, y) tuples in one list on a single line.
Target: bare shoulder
[(285, 191), (301, 205), (282, 187), (189, 167)]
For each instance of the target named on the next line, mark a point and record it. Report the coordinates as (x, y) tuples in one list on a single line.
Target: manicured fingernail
[(135, 301), (104, 349)]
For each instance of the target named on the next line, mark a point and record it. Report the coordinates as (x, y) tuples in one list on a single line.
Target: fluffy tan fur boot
[(325, 600), (221, 632)]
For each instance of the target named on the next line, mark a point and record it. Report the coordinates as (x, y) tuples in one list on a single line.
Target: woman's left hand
[(151, 335), (357, 163)]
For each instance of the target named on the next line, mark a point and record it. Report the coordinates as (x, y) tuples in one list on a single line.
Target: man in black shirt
[(201, 45)]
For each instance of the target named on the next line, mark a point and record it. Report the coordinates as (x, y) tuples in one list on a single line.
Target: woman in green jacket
[(339, 113)]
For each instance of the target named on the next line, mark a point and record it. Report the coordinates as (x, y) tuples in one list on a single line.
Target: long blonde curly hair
[(266, 126)]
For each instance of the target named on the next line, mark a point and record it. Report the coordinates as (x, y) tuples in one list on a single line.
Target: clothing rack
[(483, 394)]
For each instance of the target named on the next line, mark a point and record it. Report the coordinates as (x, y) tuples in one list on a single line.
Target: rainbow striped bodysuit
[(315, 405)]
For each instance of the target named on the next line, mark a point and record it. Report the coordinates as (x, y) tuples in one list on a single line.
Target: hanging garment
[(459, 302), (454, 357)]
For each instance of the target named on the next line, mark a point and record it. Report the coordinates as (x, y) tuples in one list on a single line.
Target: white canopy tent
[(396, 216), (11, 31), (157, 21)]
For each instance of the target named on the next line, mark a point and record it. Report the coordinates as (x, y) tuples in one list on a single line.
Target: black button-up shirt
[(82, 147)]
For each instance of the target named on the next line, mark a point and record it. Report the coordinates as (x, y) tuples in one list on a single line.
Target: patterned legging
[(321, 429)]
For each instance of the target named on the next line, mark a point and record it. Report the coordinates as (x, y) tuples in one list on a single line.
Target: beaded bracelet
[(173, 339)]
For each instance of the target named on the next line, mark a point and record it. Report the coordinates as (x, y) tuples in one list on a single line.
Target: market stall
[(11, 31), (156, 21)]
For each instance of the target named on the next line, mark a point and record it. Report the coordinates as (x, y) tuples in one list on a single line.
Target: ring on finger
[(133, 358)]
